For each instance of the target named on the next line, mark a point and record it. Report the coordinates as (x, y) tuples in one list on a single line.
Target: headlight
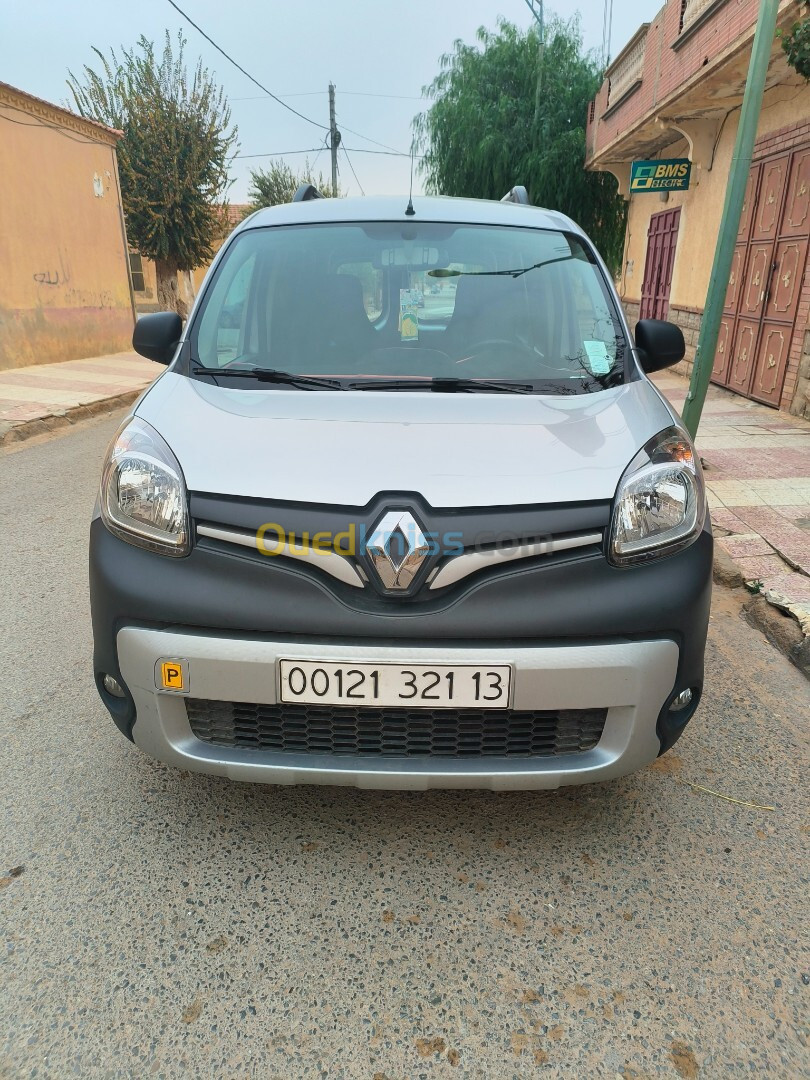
[(661, 501), (143, 493)]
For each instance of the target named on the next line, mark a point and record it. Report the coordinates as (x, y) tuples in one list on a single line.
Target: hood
[(455, 450)]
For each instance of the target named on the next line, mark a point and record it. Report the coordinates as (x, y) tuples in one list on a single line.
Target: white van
[(364, 531)]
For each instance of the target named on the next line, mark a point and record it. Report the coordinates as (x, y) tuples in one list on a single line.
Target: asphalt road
[(157, 923)]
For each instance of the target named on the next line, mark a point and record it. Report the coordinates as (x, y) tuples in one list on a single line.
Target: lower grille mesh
[(318, 729)]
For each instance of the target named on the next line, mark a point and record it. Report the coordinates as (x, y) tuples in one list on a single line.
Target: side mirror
[(661, 344), (155, 336)]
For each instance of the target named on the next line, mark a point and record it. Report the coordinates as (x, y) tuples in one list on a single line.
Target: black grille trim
[(395, 732)]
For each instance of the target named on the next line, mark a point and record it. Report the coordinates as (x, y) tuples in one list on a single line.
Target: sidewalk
[(757, 468), (44, 397)]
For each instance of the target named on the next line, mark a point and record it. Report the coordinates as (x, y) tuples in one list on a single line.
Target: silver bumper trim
[(328, 561), (463, 565), (448, 572), (631, 679)]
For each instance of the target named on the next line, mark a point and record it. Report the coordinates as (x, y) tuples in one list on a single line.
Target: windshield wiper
[(516, 273), (443, 386), (305, 382)]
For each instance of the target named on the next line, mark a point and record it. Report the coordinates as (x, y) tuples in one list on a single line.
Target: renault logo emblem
[(397, 549)]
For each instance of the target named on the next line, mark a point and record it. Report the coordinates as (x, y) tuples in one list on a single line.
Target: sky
[(379, 54)]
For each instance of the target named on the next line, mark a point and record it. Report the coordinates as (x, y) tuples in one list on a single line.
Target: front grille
[(395, 732)]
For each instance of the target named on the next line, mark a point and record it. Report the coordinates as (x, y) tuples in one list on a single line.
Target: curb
[(58, 420), (780, 628)]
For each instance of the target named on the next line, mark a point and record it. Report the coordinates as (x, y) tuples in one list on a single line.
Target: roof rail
[(306, 192), (518, 194)]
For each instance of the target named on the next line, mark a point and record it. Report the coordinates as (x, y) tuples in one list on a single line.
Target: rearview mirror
[(155, 336), (661, 344)]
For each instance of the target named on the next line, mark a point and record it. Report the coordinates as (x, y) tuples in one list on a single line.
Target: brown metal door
[(771, 192), (797, 212), (662, 239), (722, 357), (766, 278)]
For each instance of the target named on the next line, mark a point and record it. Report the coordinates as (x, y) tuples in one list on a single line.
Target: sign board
[(671, 174)]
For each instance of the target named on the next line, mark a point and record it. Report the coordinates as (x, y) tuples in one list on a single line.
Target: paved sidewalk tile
[(44, 390), (757, 469)]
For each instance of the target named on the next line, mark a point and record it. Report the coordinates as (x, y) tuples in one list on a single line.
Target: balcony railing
[(628, 70), (692, 10)]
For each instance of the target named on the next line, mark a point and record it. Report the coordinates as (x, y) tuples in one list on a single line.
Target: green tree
[(173, 159), (278, 183), (491, 126)]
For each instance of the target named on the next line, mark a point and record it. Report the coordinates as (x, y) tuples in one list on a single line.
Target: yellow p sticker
[(171, 675)]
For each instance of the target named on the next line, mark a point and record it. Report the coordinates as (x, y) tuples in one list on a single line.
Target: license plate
[(421, 686)]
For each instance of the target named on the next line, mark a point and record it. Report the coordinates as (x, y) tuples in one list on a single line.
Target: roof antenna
[(409, 210)]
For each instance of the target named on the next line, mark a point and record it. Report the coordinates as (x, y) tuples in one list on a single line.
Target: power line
[(269, 93), (283, 153), (312, 150), (354, 174), (345, 93), (323, 147), (256, 82), (50, 127), (376, 143), (367, 93)]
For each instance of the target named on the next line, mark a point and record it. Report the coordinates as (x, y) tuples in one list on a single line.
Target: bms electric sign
[(670, 175)]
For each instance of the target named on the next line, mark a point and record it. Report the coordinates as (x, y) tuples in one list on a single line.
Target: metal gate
[(766, 279), (662, 238)]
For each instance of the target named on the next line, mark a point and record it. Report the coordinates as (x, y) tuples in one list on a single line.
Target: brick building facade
[(675, 91)]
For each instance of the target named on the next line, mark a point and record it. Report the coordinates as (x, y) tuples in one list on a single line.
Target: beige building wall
[(64, 279), (189, 284), (701, 206)]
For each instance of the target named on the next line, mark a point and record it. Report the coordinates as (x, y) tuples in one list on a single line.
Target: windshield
[(403, 306)]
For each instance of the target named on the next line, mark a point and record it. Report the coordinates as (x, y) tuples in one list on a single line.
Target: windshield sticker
[(597, 357), (409, 314)]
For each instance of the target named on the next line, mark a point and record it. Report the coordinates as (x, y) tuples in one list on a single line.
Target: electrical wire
[(323, 147), (365, 138), (283, 153), (255, 82), (354, 174), (344, 93), (314, 149), (50, 127), (269, 93)]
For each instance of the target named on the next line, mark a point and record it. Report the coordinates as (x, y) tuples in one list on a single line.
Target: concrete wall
[(64, 278)]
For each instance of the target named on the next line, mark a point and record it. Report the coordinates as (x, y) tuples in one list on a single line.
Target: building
[(64, 272), (674, 92), (144, 282)]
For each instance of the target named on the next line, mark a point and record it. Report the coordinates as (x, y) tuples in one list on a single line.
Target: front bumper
[(579, 633), (631, 679)]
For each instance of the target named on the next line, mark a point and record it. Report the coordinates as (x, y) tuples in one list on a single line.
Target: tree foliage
[(796, 43), (500, 117), (278, 183), (173, 159)]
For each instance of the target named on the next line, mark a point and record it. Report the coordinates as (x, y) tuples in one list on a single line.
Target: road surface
[(157, 923)]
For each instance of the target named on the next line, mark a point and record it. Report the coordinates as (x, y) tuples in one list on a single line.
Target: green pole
[(732, 212)]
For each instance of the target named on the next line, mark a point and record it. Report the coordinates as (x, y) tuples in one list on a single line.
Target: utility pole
[(536, 8), (334, 139), (732, 212)]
